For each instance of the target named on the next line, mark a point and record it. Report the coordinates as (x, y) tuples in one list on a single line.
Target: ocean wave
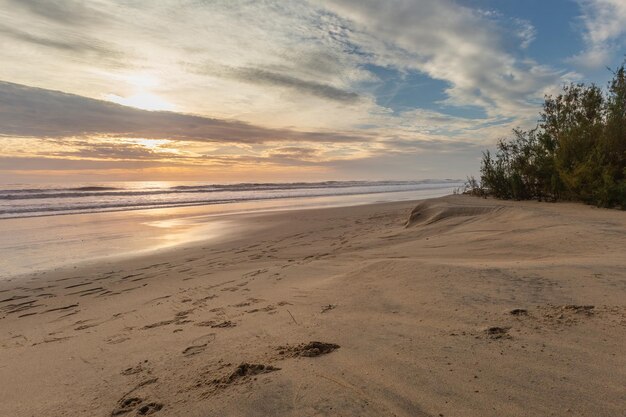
[(101, 191), (52, 190), (163, 198), (93, 189)]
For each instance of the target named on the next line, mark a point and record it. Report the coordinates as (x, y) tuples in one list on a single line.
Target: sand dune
[(456, 306), (429, 211)]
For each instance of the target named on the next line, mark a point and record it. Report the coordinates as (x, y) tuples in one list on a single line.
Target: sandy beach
[(456, 306)]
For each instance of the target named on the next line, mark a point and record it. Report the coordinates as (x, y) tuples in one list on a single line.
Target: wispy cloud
[(64, 164), (283, 80), (604, 24), (464, 47), (76, 45), (66, 12)]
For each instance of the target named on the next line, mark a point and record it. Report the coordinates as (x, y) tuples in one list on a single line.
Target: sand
[(455, 306)]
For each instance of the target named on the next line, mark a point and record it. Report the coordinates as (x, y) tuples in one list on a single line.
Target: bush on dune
[(577, 152)]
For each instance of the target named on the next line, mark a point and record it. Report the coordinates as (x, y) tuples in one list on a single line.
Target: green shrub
[(577, 151)]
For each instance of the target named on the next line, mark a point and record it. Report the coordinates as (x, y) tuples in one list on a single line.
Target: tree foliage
[(576, 152)]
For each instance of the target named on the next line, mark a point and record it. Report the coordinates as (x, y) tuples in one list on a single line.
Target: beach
[(454, 306)]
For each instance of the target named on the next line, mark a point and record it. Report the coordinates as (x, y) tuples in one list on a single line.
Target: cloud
[(604, 24), (447, 41), (420, 146), (284, 80), (72, 12), (410, 165), (66, 43), (294, 152), (526, 32), (110, 149), (281, 64), (34, 112), (265, 82), (64, 164)]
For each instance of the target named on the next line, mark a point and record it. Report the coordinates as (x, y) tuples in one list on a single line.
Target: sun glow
[(154, 145), (141, 80), (138, 92)]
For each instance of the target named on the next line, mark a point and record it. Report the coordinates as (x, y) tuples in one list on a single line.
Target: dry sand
[(475, 308)]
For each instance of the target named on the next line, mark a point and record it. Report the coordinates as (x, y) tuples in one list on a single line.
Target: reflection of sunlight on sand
[(167, 224), (42, 243), (185, 230)]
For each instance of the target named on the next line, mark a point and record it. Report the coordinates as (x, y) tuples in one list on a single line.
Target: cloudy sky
[(259, 90)]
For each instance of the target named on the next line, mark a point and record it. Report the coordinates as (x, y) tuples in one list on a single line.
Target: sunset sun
[(142, 100)]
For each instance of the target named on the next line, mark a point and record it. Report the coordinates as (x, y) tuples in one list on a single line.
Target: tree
[(576, 152)]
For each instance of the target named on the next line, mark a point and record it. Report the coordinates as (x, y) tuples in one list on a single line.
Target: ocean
[(30, 200)]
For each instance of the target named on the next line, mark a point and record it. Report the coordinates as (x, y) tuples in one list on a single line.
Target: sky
[(284, 90)]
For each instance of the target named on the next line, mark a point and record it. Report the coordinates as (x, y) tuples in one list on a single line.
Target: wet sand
[(33, 244), (455, 306)]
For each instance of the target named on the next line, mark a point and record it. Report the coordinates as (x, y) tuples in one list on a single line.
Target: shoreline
[(422, 314), (428, 189), (45, 243), (430, 193)]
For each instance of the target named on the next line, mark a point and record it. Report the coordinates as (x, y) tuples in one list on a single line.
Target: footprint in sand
[(309, 350), (118, 338), (518, 312), (202, 301), (199, 344), (242, 304), (245, 372), (86, 326), (220, 311), (194, 350), (158, 324), (497, 332), (126, 405), (328, 307), (149, 408), (268, 309), (216, 324), (136, 369)]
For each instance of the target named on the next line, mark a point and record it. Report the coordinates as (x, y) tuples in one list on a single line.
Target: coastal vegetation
[(577, 152)]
